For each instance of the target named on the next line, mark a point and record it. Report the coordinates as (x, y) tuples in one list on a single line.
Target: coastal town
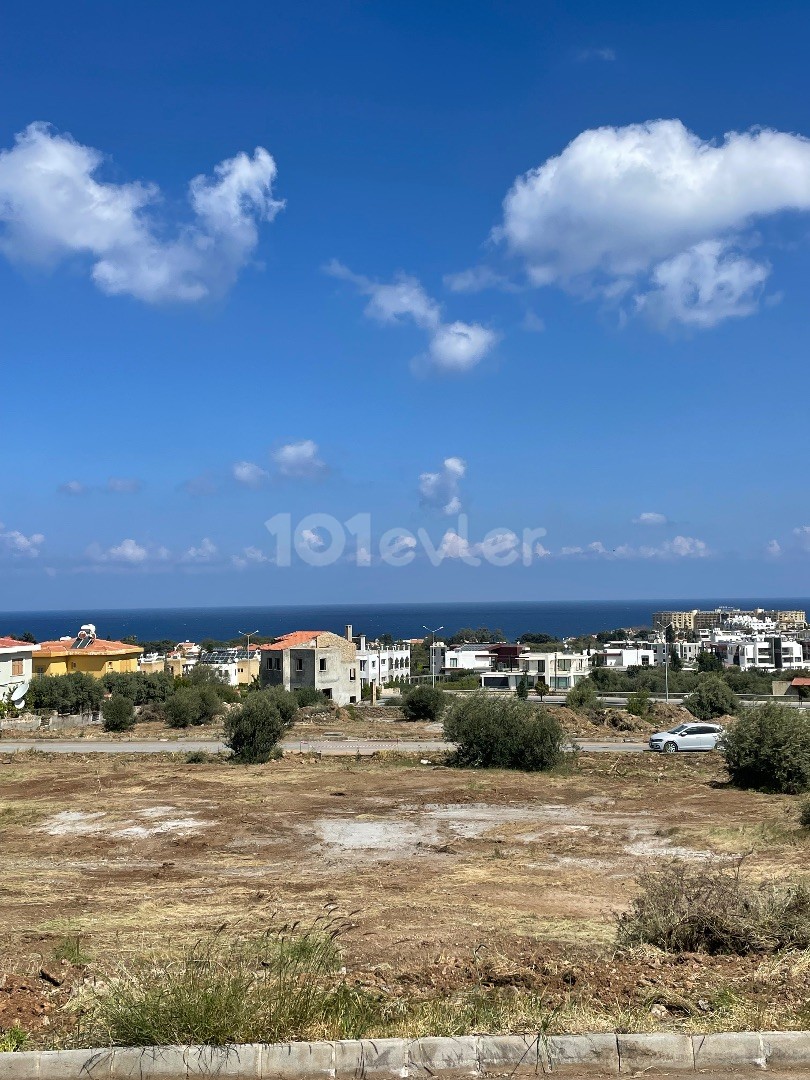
[(349, 668)]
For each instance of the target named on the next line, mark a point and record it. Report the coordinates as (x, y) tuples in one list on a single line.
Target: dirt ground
[(449, 878)]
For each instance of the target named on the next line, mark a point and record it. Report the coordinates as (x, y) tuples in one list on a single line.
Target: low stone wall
[(31, 722), (472, 1055)]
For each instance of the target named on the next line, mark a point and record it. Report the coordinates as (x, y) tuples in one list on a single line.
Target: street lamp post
[(666, 659), (253, 633), (433, 634)]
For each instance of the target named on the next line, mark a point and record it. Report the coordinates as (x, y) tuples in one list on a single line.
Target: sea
[(559, 618)]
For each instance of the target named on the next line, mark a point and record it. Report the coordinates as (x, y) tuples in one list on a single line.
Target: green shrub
[(13, 1039), (65, 694), (191, 706), (712, 698), (230, 988), (287, 703), (140, 688), (522, 688), (308, 695), (252, 730), (503, 733), (198, 757), (424, 703), (769, 749), (639, 703), (804, 814), (118, 713), (583, 697), (699, 908)]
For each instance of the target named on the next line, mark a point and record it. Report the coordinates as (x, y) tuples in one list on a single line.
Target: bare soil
[(452, 879)]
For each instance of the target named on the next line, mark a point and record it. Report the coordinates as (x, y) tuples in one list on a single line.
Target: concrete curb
[(469, 1055)]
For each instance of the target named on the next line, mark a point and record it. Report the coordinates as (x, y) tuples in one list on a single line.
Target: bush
[(804, 814), (686, 908), (639, 703), (308, 695), (190, 706), (712, 698), (424, 703), (582, 697), (253, 730), (230, 988), (503, 733), (65, 694), (769, 749), (141, 689), (522, 688), (118, 713)]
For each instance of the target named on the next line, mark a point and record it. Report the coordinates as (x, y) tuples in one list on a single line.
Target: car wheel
[(670, 748)]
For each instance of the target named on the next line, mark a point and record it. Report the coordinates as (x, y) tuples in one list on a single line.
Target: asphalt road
[(333, 747)]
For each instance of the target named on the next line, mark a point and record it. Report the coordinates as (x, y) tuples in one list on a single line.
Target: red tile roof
[(12, 643), (292, 641), (800, 682), (98, 646)]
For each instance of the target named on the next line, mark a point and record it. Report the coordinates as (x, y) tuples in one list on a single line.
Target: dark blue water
[(400, 620)]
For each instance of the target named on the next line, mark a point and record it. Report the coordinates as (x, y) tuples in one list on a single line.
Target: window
[(352, 674), (299, 664), (322, 664), (362, 665), (16, 667)]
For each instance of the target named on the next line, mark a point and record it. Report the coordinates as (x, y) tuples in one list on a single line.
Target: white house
[(16, 669), (559, 670), (624, 654), (380, 664), (472, 658), (766, 654)]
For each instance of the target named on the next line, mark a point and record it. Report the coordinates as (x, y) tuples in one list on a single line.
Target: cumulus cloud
[(773, 549), (54, 207), (72, 487), (250, 556), (312, 539), (679, 547), (452, 347), (17, 543), (249, 473), (128, 551), (651, 211), (299, 460), (204, 552), (441, 490), (650, 517)]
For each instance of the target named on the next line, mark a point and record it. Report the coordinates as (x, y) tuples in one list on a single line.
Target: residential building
[(380, 664), (16, 669), (473, 658), (680, 621), (86, 653), (686, 651), (695, 620), (234, 666), (764, 654), (313, 658), (624, 654), (559, 670)]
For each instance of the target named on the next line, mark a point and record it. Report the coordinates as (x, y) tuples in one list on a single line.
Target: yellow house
[(86, 653)]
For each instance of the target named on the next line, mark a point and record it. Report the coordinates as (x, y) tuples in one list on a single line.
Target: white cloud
[(654, 211), (459, 346), (18, 543), (452, 347), (312, 539), (803, 535), (249, 474), (53, 207), (128, 551), (251, 556), (773, 549), (72, 487), (533, 323), (123, 485), (684, 547), (703, 286), (650, 517), (441, 490), (478, 278), (299, 460), (679, 547), (205, 552)]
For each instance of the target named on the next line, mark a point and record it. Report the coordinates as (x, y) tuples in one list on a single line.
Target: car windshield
[(677, 730)]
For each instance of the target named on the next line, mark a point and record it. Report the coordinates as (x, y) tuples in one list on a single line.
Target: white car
[(687, 737)]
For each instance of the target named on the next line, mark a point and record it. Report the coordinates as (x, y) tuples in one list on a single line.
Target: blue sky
[(498, 260)]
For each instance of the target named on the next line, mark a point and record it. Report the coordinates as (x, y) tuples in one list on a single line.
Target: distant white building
[(381, 664), (16, 669), (559, 670), (765, 654), (473, 658), (625, 654)]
